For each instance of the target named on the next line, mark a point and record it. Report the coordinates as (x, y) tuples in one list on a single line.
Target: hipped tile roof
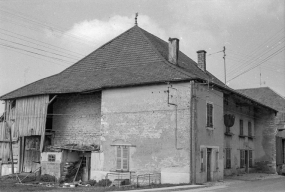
[(266, 96), (135, 57)]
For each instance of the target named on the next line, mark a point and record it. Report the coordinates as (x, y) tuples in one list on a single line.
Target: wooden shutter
[(125, 158), (250, 158), (279, 152), (119, 158), (228, 158), (204, 160), (211, 115), (216, 155), (242, 158)]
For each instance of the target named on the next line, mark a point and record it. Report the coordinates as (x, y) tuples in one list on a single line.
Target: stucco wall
[(208, 137), (77, 119), (142, 117)]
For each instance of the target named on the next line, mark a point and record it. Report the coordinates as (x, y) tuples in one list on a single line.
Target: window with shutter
[(250, 158), (242, 158), (209, 115), (241, 127), (249, 129), (228, 158), (123, 158)]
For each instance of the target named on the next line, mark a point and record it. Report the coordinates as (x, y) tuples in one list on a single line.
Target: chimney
[(202, 59), (173, 50)]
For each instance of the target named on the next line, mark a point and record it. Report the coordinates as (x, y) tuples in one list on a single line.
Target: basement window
[(51, 158)]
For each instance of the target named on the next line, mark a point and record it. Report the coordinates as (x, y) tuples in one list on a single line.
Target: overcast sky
[(39, 38)]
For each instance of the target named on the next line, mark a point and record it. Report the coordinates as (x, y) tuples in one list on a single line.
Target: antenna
[(225, 69), (136, 19)]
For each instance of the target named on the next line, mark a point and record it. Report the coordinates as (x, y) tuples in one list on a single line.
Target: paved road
[(266, 185)]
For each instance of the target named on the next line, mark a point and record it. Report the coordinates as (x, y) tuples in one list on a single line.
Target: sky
[(39, 38)]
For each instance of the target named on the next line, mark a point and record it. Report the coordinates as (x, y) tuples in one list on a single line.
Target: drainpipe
[(191, 138)]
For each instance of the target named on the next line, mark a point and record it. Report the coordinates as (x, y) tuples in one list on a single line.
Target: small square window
[(51, 158)]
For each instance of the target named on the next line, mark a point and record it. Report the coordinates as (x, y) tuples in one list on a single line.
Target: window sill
[(251, 137), (210, 128), (229, 134), (242, 136)]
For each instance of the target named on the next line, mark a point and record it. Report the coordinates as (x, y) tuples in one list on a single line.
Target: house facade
[(135, 106), (269, 97)]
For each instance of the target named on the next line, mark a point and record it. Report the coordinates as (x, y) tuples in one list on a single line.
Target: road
[(266, 185)]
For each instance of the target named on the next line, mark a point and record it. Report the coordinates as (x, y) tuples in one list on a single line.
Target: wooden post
[(11, 149)]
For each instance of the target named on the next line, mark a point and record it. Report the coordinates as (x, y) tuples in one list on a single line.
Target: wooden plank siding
[(26, 117), (31, 115)]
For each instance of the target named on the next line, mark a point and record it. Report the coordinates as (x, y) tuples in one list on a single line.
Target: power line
[(57, 48), (252, 60), (5, 45), (266, 59), (35, 48), (40, 24)]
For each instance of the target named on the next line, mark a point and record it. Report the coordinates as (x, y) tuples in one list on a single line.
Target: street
[(276, 184)]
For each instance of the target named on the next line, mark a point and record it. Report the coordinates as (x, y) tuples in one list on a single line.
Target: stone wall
[(77, 119), (265, 151)]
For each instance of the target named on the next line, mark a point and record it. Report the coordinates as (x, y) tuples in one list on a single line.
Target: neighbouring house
[(136, 105), (271, 98)]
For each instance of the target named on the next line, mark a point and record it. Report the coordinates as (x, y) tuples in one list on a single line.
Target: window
[(242, 158), (249, 129), (123, 158), (241, 127), (250, 158), (210, 115), (51, 157), (228, 158)]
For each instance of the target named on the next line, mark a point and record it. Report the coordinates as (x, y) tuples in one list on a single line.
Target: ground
[(255, 182)]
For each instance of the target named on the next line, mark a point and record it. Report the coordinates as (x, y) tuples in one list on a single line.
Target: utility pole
[(225, 69), (259, 76)]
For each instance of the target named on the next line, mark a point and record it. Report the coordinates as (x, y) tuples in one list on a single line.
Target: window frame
[(228, 158), (249, 127), (250, 158), (120, 157), (51, 157), (241, 130), (209, 124), (242, 158)]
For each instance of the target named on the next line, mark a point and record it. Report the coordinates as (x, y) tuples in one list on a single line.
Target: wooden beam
[(52, 99)]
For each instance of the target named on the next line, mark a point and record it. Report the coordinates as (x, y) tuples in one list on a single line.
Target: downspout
[(176, 118)]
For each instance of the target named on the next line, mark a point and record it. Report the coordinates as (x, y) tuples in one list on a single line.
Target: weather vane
[(136, 19)]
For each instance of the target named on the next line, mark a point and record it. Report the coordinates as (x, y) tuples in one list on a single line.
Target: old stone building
[(269, 97), (136, 105)]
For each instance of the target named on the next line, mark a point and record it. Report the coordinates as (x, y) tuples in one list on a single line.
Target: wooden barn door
[(32, 154)]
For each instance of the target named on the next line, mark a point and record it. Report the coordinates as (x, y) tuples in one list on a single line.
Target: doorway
[(209, 152), (31, 154)]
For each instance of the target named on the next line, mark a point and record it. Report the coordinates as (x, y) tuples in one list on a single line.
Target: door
[(209, 152), (246, 160), (32, 155)]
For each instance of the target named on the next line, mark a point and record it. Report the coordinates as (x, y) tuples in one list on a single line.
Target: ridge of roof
[(166, 61)]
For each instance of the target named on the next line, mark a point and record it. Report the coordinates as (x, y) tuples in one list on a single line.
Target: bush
[(104, 182)]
